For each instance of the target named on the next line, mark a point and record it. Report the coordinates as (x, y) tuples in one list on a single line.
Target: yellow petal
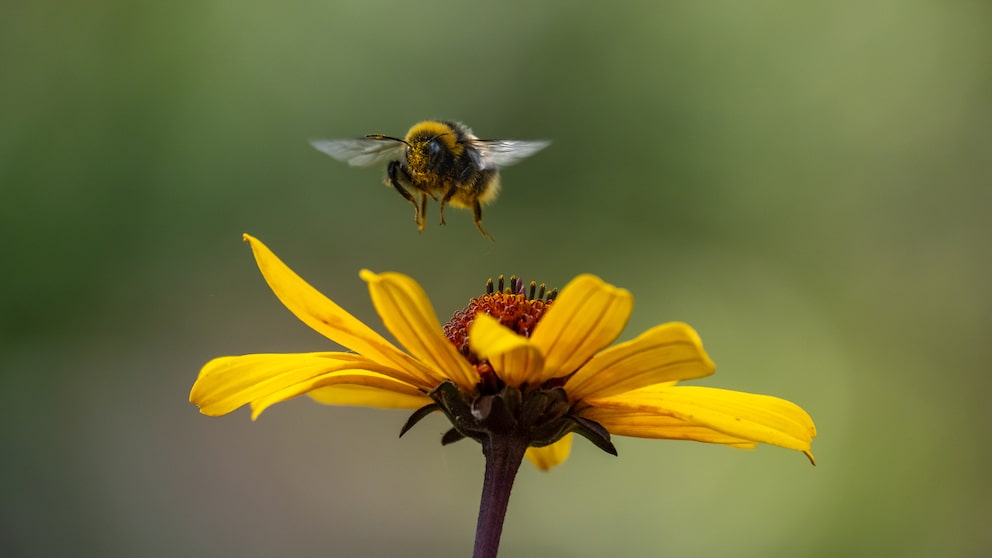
[(349, 394), (547, 457), (407, 314), (641, 424), (746, 416), (352, 377), (512, 356), (329, 319), (587, 316), (227, 383), (664, 353)]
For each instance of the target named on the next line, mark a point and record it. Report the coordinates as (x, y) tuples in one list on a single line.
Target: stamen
[(515, 286), (509, 301)]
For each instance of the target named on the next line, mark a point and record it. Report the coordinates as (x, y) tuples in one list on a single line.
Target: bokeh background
[(808, 185)]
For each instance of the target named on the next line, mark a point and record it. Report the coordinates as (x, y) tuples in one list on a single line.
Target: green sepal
[(544, 406), (418, 415), (451, 436), (595, 433), (464, 417), (512, 400)]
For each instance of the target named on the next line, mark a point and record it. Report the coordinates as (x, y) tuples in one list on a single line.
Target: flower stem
[(503, 457)]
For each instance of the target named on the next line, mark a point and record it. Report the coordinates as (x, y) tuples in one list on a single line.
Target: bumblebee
[(438, 159)]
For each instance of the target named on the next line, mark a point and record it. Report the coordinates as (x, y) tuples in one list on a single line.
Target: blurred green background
[(808, 185)]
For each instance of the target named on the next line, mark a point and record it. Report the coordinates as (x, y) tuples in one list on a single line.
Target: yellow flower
[(540, 366)]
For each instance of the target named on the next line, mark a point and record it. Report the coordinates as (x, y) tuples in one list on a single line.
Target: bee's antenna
[(382, 137)]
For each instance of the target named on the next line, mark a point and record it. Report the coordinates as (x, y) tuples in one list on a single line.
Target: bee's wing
[(360, 152), (500, 153)]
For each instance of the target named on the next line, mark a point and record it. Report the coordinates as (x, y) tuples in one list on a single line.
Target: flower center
[(515, 307)]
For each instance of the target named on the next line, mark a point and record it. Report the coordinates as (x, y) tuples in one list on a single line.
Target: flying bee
[(438, 159)]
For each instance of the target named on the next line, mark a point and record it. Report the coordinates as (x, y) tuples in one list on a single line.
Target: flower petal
[(661, 354), (587, 316), (330, 320), (547, 457), (407, 314), (514, 358), (643, 424), (365, 396), (352, 377), (746, 416), (227, 383)]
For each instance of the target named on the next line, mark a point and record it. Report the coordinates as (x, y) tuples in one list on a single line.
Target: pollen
[(516, 306)]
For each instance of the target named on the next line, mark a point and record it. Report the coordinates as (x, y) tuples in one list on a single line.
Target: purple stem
[(503, 457)]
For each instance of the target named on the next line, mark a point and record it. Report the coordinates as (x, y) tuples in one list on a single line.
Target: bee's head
[(431, 145)]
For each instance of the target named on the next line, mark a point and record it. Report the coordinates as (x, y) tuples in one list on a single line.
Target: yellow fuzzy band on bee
[(430, 129)]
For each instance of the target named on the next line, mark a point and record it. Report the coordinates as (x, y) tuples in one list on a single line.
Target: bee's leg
[(447, 197), (477, 213), (422, 216), (396, 175)]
